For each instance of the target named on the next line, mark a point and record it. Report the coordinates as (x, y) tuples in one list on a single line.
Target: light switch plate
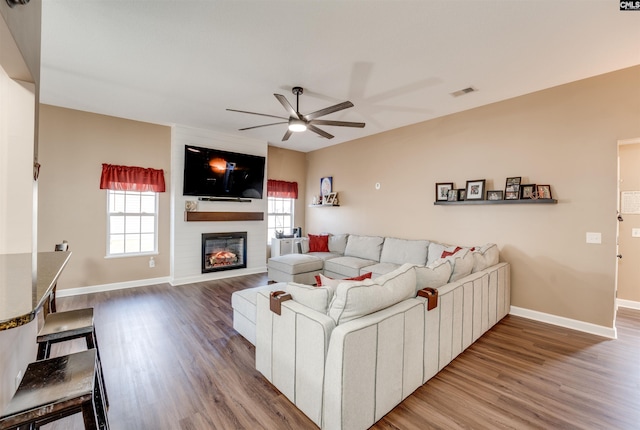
[(594, 237)]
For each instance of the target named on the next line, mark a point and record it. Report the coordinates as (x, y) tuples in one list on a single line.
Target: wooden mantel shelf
[(223, 216)]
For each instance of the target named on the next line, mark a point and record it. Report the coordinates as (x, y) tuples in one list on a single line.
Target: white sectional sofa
[(347, 353)]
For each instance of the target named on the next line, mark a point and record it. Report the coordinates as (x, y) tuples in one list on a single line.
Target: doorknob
[(619, 256)]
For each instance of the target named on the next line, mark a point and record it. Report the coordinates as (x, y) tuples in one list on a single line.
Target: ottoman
[(243, 303), (301, 268)]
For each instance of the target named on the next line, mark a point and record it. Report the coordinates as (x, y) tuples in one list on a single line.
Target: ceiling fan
[(299, 122)]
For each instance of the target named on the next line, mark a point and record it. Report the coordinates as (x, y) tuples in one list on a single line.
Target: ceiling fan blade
[(255, 113), (327, 111), (337, 123), (320, 132), (287, 135), (287, 106), (263, 125)]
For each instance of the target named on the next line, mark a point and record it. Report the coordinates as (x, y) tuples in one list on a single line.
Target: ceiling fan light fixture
[(297, 125)]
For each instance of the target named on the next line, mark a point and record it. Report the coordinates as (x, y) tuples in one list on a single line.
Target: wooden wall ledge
[(224, 216)]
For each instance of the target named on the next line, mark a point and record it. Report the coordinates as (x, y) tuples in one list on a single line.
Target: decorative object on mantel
[(475, 189), (543, 191), (452, 195), (191, 205), (329, 199), (495, 195), (462, 194), (442, 190), (528, 191)]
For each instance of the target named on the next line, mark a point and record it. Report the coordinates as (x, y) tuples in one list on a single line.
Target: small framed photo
[(329, 199), (544, 191), (442, 191), (326, 185), (462, 194), (528, 192), (495, 195), (475, 190), (452, 195), (512, 188)]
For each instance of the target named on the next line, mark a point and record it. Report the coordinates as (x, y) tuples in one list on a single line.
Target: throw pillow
[(318, 243), (462, 262), (449, 252), (322, 280)]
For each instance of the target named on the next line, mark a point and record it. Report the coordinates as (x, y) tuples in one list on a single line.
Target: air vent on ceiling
[(463, 91)]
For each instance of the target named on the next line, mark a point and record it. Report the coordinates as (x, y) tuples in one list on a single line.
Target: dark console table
[(20, 297)]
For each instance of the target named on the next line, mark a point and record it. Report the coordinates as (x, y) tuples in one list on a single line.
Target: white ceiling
[(186, 61)]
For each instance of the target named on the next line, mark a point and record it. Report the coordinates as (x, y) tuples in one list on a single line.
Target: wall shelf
[(499, 202), (223, 216), (324, 206)]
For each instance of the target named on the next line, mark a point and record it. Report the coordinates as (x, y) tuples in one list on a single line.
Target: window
[(132, 223), (279, 216)]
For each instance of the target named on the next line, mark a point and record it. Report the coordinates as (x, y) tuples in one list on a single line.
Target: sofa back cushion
[(462, 263), (338, 243), (435, 275), (354, 300), (400, 251), (366, 247), (485, 256), (316, 298)]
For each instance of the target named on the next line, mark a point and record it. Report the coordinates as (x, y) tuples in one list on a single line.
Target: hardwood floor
[(172, 360)]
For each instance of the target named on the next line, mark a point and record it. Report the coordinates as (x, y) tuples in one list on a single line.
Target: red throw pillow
[(446, 254), (318, 243), (355, 278)]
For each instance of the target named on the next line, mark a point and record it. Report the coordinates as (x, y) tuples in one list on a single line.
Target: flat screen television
[(211, 172)]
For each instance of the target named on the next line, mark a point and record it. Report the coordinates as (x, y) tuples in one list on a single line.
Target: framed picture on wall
[(462, 194), (452, 195), (528, 192), (475, 189), (544, 191), (512, 188), (442, 191), (326, 185), (494, 195)]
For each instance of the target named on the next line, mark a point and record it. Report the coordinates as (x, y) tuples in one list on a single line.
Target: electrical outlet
[(18, 379), (152, 262), (594, 237)]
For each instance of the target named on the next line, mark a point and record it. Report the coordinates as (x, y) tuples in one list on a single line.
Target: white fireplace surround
[(186, 237)]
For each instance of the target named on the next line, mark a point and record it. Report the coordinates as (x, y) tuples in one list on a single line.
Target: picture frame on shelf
[(512, 188), (442, 191), (326, 185), (475, 189), (329, 199), (495, 195), (544, 192), (462, 194), (528, 192), (452, 195)]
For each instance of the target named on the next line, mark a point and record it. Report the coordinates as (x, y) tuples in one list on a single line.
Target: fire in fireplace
[(224, 251)]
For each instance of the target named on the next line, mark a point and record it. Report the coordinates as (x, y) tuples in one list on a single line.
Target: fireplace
[(224, 251)]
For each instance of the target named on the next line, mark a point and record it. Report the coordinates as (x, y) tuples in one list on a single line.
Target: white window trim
[(293, 208), (132, 254)]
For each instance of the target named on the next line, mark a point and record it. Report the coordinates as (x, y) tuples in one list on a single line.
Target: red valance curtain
[(131, 178), (282, 189)]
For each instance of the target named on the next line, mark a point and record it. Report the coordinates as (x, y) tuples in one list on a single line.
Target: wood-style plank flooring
[(172, 360)]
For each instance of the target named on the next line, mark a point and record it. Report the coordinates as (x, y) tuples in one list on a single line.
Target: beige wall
[(73, 146), (564, 136), (287, 165), (628, 267)]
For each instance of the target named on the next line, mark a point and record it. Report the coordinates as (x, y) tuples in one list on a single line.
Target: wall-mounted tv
[(211, 172)]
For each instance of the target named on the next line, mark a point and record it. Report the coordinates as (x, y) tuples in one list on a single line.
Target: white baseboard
[(565, 322), (110, 287), (622, 303)]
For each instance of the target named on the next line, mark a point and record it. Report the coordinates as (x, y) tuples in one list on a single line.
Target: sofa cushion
[(366, 247), (435, 252), (347, 266), (380, 269), (485, 256), (322, 280), (400, 251), (338, 243), (316, 298), (293, 264), (462, 264), (435, 275), (354, 300), (318, 243)]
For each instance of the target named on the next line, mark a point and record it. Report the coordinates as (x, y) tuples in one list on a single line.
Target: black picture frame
[(528, 192), (442, 191), (475, 189), (495, 195), (512, 188), (462, 194), (544, 192), (452, 195)]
